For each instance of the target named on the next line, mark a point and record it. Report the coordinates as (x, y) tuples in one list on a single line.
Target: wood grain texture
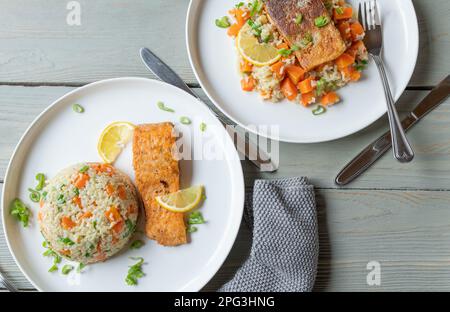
[(431, 137), (406, 231), (39, 47)]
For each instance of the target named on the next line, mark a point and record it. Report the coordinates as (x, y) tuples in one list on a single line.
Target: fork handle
[(401, 147)]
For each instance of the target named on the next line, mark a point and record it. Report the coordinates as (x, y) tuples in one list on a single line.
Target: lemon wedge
[(113, 140), (183, 200), (259, 54)]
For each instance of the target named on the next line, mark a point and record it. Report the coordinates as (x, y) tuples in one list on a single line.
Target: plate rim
[(234, 224), (191, 49)]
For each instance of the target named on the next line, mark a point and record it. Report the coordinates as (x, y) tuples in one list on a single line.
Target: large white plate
[(60, 137), (214, 60)]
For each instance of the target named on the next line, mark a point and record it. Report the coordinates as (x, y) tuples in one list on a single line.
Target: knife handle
[(371, 154)]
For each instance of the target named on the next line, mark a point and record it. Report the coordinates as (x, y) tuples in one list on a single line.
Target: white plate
[(60, 137), (214, 60)]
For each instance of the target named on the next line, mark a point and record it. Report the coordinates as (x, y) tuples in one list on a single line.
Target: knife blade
[(374, 151), (245, 146)]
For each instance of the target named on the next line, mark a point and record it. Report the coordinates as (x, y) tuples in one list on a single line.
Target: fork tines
[(368, 14)]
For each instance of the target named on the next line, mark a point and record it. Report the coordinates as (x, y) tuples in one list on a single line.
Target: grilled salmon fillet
[(157, 173), (326, 44)]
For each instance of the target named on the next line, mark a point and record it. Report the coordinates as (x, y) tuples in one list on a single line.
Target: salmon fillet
[(327, 43), (157, 173)]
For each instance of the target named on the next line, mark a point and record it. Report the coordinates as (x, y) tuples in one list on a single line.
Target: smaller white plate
[(60, 137), (214, 60)]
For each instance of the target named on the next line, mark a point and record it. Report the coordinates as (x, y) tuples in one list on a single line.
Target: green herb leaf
[(185, 120), (223, 22), (135, 272), (66, 269), (319, 110), (299, 19), (321, 21), (77, 108), (163, 107), (285, 52), (196, 217), (20, 211), (137, 244)]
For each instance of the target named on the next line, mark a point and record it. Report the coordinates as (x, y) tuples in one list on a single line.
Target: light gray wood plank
[(39, 47), (407, 232), (430, 170)]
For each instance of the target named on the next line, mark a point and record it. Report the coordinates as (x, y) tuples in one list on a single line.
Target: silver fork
[(369, 18), (7, 284)]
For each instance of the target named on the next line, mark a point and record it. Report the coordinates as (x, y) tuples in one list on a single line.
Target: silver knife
[(242, 143), (374, 151)]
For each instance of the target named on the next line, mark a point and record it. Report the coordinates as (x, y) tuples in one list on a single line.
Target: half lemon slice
[(183, 200), (113, 140), (259, 54)]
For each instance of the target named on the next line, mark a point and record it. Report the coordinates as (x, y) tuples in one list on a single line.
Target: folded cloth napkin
[(285, 249)]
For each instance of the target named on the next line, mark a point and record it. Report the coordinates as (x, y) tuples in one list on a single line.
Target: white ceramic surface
[(60, 137), (214, 61)]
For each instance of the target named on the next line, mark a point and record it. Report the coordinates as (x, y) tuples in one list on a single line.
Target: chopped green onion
[(137, 244), (255, 7), (163, 107), (196, 217), (66, 269), (239, 5), (77, 108), (256, 27), (53, 268), (66, 241), (84, 169), (94, 223), (20, 211), (192, 229), (285, 52), (319, 110), (135, 272), (40, 177), (35, 196), (130, 227), (223, 22), (44, 195), (185, 120), (299, 19), (60, 199), (307, 39), (203, 127), (321, 21), (267, 38), (80, 267), (76, 191), (339, 10)]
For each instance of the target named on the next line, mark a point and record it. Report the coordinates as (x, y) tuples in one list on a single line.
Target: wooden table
[(396, 214)]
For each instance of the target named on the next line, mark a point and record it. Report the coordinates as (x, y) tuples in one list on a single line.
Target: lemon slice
[(259, 54), (113, 140), (183, 200)]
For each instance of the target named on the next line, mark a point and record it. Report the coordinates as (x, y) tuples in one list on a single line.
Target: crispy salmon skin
[(317, 45), (157, 173)]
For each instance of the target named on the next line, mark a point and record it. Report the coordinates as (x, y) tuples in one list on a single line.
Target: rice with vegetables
[(88, 212), (283, 77)]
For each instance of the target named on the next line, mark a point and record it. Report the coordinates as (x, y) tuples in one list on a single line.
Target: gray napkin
[(283, 258)]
